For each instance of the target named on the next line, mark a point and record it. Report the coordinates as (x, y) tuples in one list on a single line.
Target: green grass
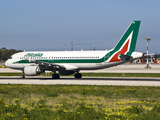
[(10, 74), (78, 102), (98, 74), (121, 74)]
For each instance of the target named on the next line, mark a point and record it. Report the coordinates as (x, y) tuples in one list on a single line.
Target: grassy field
[(77, 102), (98, 74)]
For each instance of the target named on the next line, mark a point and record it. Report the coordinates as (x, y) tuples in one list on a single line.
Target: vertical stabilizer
[(127, 43)]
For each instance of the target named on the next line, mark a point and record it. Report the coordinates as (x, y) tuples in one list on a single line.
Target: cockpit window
[(10, 58)]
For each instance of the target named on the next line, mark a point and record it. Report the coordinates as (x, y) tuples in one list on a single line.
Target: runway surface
[(125, 68), (83, 81)]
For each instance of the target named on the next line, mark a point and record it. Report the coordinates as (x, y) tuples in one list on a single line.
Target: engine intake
[(32, 70)]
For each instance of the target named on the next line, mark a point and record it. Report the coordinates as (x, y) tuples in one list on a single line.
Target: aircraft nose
[(6, 63)]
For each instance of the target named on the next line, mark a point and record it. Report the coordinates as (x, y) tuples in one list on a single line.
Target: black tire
[(22, 76), (55, 76), (78, 75)]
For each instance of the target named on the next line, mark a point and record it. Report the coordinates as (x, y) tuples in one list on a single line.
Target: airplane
[(70, 62)]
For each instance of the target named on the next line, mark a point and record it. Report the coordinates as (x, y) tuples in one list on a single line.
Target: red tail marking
[(122, 51)]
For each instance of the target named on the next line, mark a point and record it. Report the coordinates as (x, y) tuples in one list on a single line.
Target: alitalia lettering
[(33, 55)]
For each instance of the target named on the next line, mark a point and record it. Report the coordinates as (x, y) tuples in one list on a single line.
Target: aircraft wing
[(44, 63), (54, 65)]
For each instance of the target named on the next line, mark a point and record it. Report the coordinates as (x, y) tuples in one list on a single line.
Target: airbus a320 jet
[(70, 62)]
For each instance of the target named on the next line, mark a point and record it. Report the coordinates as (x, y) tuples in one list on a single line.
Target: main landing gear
[(78, 75), (55, 76)]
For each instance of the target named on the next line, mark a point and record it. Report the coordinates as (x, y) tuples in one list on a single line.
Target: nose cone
[(6, 63)]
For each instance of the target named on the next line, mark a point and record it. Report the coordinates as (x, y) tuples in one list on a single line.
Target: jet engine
[(32, 70), (65, 72)]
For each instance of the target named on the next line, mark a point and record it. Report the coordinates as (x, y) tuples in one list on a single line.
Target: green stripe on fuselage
[(65, 61)]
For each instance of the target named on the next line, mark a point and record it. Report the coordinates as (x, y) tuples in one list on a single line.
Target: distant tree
[(145, 57), (156, 56), (6, 53), (4, 49)]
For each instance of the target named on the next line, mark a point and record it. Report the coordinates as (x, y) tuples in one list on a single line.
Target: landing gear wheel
[(78, 75), (55, 76), (22, 76)]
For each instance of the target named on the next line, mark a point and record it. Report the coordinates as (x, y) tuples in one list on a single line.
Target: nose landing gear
[(23, 75)]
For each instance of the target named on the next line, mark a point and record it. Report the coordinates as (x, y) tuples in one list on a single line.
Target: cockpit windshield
[(10, 58)]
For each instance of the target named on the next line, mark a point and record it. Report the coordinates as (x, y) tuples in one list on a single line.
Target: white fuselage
[(80, 60)]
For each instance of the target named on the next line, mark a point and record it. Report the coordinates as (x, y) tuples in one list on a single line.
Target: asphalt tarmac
[(126, 68), (83, 81)]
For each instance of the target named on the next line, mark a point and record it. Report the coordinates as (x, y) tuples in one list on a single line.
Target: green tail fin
[(127, 43)]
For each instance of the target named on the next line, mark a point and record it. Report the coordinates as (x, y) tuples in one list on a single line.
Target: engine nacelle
[(32, 70), (65, 72)]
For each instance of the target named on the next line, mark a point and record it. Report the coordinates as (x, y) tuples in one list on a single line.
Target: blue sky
[(37, 25)]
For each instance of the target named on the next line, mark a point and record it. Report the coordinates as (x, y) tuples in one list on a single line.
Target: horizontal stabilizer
[(150, 54), (125, 58)]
